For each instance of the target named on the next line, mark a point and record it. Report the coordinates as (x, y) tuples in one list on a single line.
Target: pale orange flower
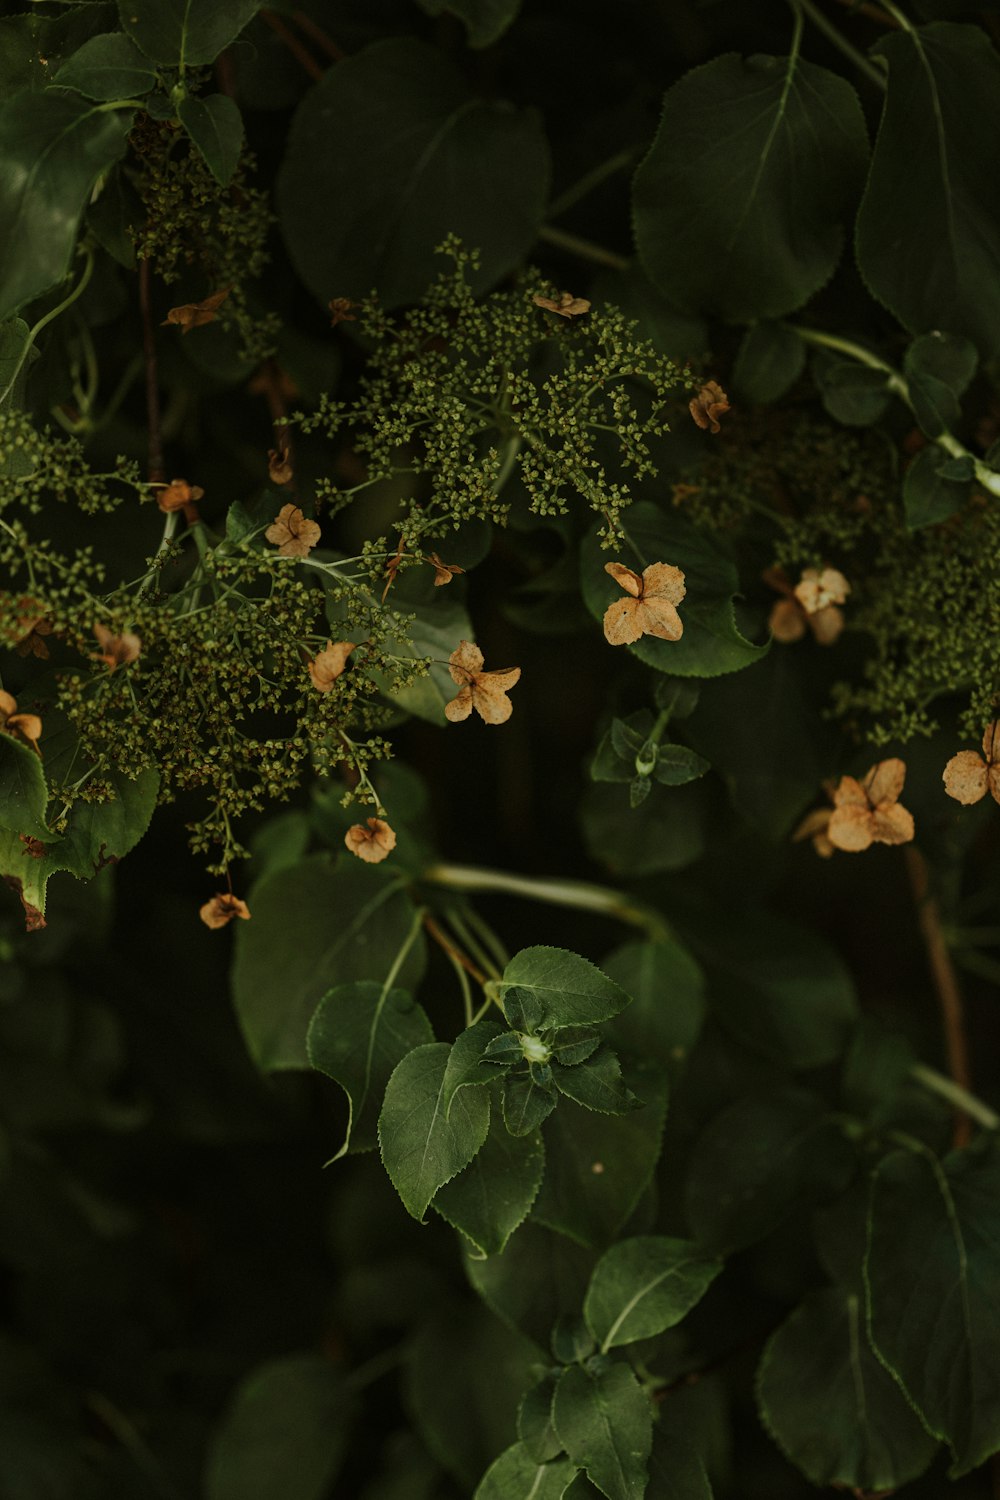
[(221, 910), (326, 667), (179, 495), (371, 841), (279, 463), (566, 305), (341, 311), (868, 811), (443, 572), (292, 534), (708, 406), (116, 650), (486, 692), (196, 314), (968, 777), (816, 590), (649, 606), (791, 617), (26, 727)]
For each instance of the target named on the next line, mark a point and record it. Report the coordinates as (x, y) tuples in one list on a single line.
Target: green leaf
[(358, 1034), (853, 393), (285, 1433), (933, 1310), (675, 1470), (215, 125), (24, 795), (567, 990), (493, 1195), (388, 155), (465, 1066), (644, 1285), (756, 1161), (182, 33), (515, 1475), (929, 496), (668, 835), (770, 360), (115, 216), (605, 1422), (711, 643), (13, 373), (676, 765), (928, 230), (944, 358), (526, 1103), (534, 1419), (422, 1147), (434, 632), (538, 1278), (668, 1001), (739, 207), (596, 1083), (484, 20), (53, 147), (107, 67), (315, 925), (831, 1407), (935, 405)]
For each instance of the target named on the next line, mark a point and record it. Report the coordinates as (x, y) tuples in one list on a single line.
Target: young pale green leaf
[(928, 495), (358, 1034), (388, 155), (24, 794), (526, 1103), (315, 925), (596, 1083), (285, 1433), (566, 989), (423, 1148), (676, 765), (740, 205), (181, 33), (466, 1068), (484, 20), (107, 67), (538, 1278), (493, 1195), (928, 230), (711, 643), (668, 1005), (605, 1422), (642, 1286), (53, 145), (770, 360), (215, 125), (933, 1310), (515, 1475), (831, 1407), (534, 1419)]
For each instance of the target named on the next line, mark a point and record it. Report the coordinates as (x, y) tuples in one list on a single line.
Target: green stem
[(145, 1461), (620, 162), (471, 943), (166, 542), (509, 457), (897, 15), (574, 893), (956, 1095), (585, 249), (60, 307), (836, 37)]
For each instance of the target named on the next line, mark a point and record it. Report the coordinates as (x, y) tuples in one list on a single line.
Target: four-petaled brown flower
[(179, 495), (279, 462), (566, 305), (868, 811), (443, 572), (371, 841), (31, 627), (341, 311), (26, 727), (486, 692), (969, 776), (815, 826), (649, 606), (222, 908), (326, 667), (116, 650), (811, 605), (195, 314), (293, 535), (708, 406)]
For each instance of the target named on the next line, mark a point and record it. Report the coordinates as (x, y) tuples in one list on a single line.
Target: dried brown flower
[(708, 406), (279, 463), (26, 727), (371, 841), (649, 606), (486, 692), (31, 627), (325, 668), (116, 650), (179, 495), (566, 305), (293, 535), (968, 776), (868, 811), (341, 311), (392, 568), (221, 910), (33, 847), (815, 826), (817, 589), (443, 572), (791, 616), (196, 314)]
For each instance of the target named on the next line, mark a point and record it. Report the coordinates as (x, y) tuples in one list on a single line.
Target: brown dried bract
[(443, 572), (221, 910), (196, 314), (392, 568), (791, 617), (179, 495), (868, 811), (817, 589), (486, 692), (31, 627), (24, 727), (293, 535), (371, 841), (708, 406), (968, 777), (649, 606), (341, 311), (325, 668), (33, 847), (279, 463), (116, 650), (815, 826), (566, 305)]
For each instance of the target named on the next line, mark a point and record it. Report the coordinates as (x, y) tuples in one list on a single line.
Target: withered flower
[(708, 406), (486, 692), (222, 908), (815, 826), (443, 572), (116, 650), (392, 568), (817, 589), (325, 668), (341, 311), (649, 606), (868, 811), (293, 535), (25, 727), (196, 314), (179, 495), (371, 841), (968, 776), (566, 305), (31, 627), (33, 847), (791, 616), (279, 463)]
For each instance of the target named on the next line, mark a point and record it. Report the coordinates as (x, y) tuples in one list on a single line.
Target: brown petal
[(994, 779), (341, 311), (460, 706), (8, 706), (826, 624), (489, 695), (195, 314), (851, 829), (279, 465), (966, 777), (884, 782), (622, 622), (221, 910), (659, 618), (892, 824), (991, 742), (850, 793), (631, 582), (464, 662), (663, 581), (787, 621), (371, 841), (566, 305), (329, 663)]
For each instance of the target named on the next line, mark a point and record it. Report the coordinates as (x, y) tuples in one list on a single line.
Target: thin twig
[(444, 942), (585, 249), (946, 986), (157, 472), (319, 36), (871, 12), (293, 44)]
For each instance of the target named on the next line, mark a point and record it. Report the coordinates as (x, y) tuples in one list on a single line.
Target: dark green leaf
[(421, 1147), (357, 1035), (13, 374), (831, 1407), (675, 1470), (526, 1103), (516, 1475), (928, 231), (739, 206), (539, 1277), (567, 990), (115, 215), (388, 155), (534, 1419), (53, 147), (492, 1196), (24, 794), (575, 1045), (465, 1066), (181, 33), (770, 360), (852, 393), (216, 127), (668, 835), (107, 67), (668, 1001), (572, 1341), (677, 697), (643, 1285), (639, 789), (485, 20), (605, 1422), (935, 405), (944, 357), (596, 1083), (962, 468), (929, 497)]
